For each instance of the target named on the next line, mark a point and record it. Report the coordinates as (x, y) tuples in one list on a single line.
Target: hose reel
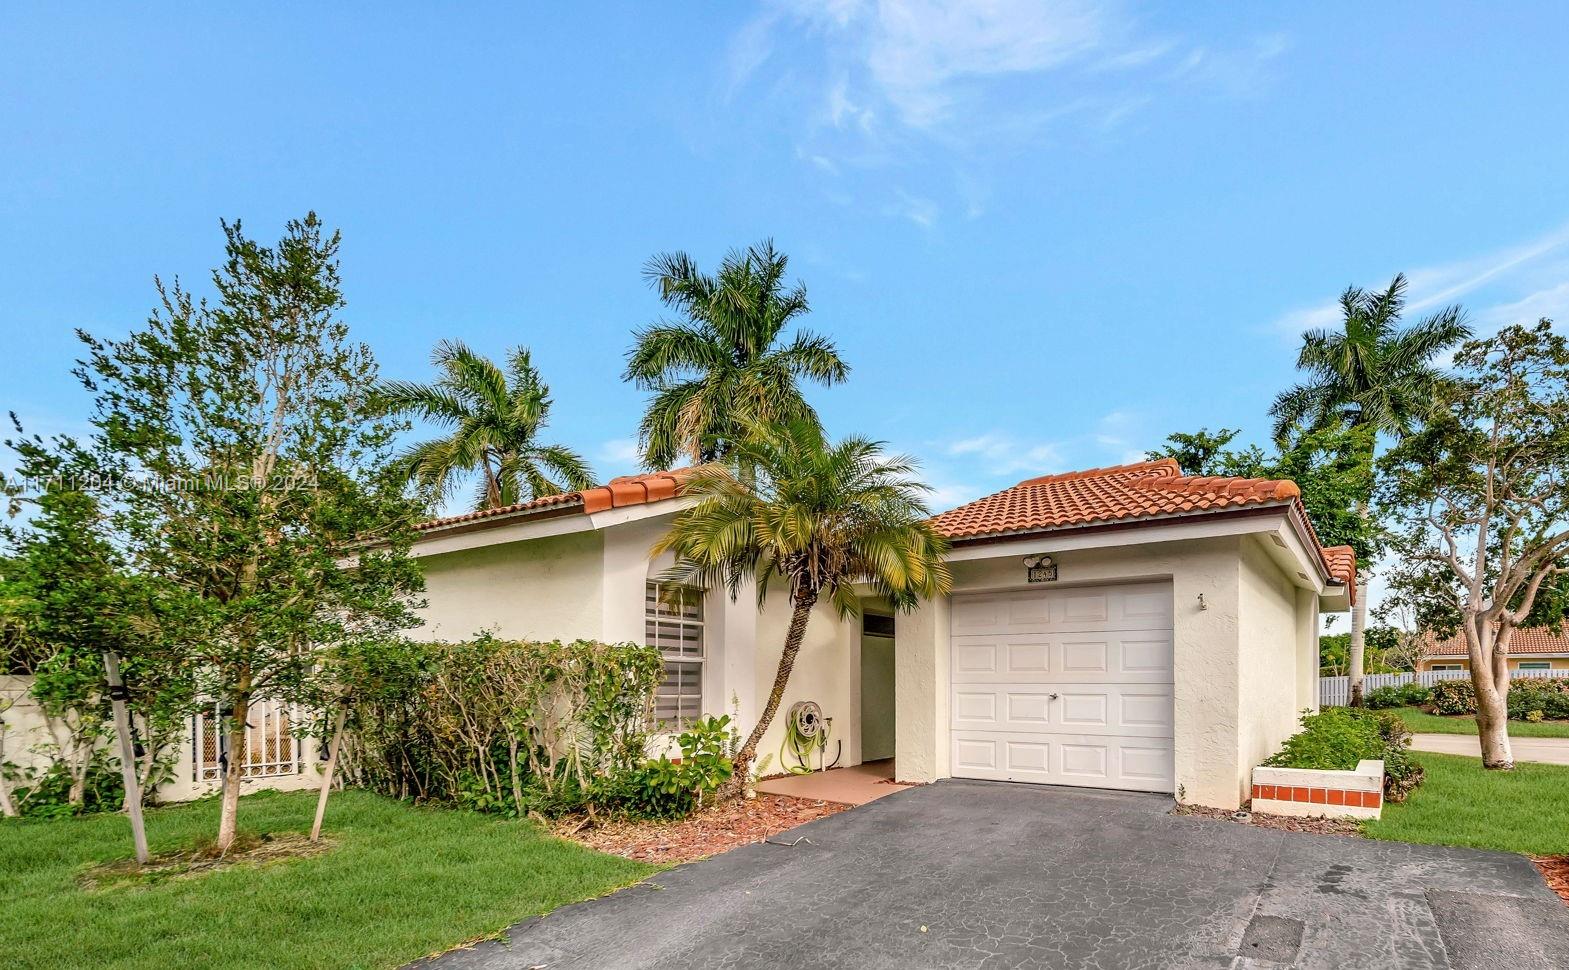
[(806, 730)]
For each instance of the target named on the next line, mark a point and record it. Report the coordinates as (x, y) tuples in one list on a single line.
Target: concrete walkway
[(992, 876), (1552, 751), (856, 785)]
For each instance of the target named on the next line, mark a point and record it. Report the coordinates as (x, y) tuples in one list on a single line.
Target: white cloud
[(1000, 453), (1516, 284), (620, 453)]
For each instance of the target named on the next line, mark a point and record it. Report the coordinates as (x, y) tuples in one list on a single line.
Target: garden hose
[(806, 730)]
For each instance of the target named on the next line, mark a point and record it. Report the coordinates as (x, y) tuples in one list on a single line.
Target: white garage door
[(1064, 686)]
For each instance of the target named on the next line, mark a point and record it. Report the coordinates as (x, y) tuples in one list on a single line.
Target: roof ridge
[(639, 488), (1157, 468), (1276, 488)]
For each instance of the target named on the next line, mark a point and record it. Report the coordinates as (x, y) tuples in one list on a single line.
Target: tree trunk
[(1490, 683), (327, 772), (792, 647), (229, 813), (1356, 653)]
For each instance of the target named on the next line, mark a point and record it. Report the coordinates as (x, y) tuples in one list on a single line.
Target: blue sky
[(1045, 235)]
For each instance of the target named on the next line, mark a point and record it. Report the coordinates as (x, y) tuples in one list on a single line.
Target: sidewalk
[(1552, 751)]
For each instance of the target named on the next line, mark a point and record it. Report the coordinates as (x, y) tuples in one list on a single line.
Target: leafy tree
[(245, 451), (1479, 497), (68, 598), (1328, 465), (1200, 453), (817, 517), (728, 365), (496, 417), (1371, 374)]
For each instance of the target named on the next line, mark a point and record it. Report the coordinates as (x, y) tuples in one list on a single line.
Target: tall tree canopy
[(1371, 374), (496, 419), (729, 363), (1479, 495), (244, 455), (816, 519)]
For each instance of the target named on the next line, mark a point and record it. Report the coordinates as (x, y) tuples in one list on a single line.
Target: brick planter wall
[(1312, 793)]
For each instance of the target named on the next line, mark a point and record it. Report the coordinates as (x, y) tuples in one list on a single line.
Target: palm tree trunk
[(1356, 654), (792, 646)]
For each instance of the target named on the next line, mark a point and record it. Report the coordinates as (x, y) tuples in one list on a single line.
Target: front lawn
[(1421, 722), (401, 882), (1524, 810)]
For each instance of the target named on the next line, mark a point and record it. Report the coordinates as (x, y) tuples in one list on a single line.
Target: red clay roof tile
[(1526, 641), (618, 493), (1142, 491)]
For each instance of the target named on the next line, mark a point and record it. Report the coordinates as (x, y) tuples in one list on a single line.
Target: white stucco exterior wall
[(1269, 659), (550, 588), (827, 670)]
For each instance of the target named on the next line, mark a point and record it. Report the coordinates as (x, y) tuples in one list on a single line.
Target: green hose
[(805, 730)]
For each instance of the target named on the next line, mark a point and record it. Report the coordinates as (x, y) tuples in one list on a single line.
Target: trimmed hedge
[(1530, 699), (1397, 695), (1336, 738)]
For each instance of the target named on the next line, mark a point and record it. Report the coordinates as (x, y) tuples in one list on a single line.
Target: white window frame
[(270, 724), (688, 705), (1445, 667), (1534, 665)]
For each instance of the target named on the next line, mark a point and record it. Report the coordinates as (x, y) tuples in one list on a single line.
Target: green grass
[(1421, 722), (401, 882), (1524, 810)]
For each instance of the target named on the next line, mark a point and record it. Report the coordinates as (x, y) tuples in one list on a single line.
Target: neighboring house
[(1124, 627), (1536, 648)]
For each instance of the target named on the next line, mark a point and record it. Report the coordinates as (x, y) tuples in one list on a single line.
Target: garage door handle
[(1053, 696)]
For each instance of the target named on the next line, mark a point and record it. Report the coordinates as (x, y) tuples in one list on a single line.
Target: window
[(272, 750), (1536, 665), (876, 625), (673, 621), (1446, 667)]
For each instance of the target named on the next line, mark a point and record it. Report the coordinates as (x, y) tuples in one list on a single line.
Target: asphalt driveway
[(982, 874)]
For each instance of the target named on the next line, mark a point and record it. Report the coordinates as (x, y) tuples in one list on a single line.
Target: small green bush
[(671, 789), (1336, 738), (1397, 695), (1454, 697)]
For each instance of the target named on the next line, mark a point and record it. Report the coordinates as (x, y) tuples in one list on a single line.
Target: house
[(1535, 648), (1126, 627)]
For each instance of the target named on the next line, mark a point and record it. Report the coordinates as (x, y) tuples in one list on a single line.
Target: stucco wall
[(1268, 660), (827, 671), (1558, 663), (543, 589)]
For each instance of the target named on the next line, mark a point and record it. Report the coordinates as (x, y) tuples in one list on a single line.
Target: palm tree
[(728, 365), (1371, 375), (819, 519), (496, 417)]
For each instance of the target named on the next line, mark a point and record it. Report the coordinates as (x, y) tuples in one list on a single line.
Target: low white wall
[(1320, 793), (26, 736)]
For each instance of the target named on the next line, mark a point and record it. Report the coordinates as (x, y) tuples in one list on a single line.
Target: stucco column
[(1206, 661), (921, 751), (1307, 650), (737, 654)]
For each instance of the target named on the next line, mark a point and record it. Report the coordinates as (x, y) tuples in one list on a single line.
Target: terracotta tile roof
[(1526, 641), (620, 492), (1147, 490)]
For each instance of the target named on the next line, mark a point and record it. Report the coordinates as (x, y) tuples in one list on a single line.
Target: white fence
[(1336, 691)]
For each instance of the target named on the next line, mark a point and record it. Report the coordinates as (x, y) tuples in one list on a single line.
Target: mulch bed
[(247, 850), (707, 832), (1284, 823), (1555, 869)]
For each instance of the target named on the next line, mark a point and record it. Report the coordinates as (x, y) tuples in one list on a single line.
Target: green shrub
[(1527, 695), (1454, 697), (1337, 738), (1397, 695), (669, 789)]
